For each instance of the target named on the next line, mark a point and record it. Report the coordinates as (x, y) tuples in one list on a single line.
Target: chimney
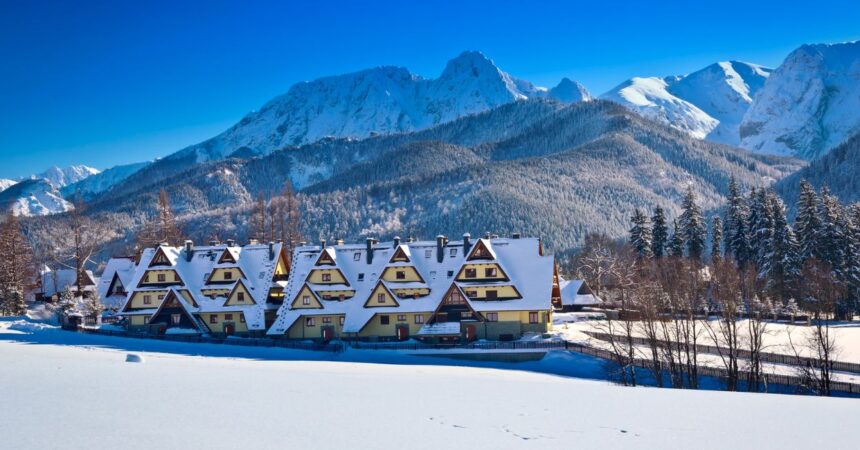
[(410, 239), (164, 244), (271, 250), (466, 244), (515, 236), (322, 243), (231, 242), (253, 242), (370, 250), (440, 247), (189, 250), (303, 243), (339, 242), (487, 235), (396, 241), (213, 243)]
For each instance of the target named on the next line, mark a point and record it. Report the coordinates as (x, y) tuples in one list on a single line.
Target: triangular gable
[(189, 297), (178, 281), (114, 282), (232, 298), (172, 299), (221, 269), (313, 300), (326, 258), (454, 288), (88, 279), (160, 258), (390, 300), (399, 256), (227, 257), (396, 268), (282, 267), (481, 251)]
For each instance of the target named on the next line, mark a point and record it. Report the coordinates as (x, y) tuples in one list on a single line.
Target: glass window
[(213, 318), (310, 322), (428, 253), (361, 277), (240, 296), (492, 317), (341, 320), (326, 320), (356, 256), (419, 318), (492, 295), (490, 272), (228, 275), (533, 317), (380, 298), (453, 251), (147, 299), (400, 275), (228, 317), (306, 300), (471, 273), (162, 278), (175, 318), (384, 320), (326, 277), (401, 317)]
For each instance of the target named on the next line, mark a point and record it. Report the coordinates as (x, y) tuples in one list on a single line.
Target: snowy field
[(66, 390)]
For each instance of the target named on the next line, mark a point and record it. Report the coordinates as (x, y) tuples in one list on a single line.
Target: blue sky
[(111, 82)]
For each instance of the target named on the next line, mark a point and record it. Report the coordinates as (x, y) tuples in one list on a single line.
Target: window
[(533, 317), (433, 274), (401, 317), (310, 322), (326, 320), (450, 273), (490, 272), (492, 295), (240, 296), (306, 300), (160, 297), (242, 318), (361, 277), (419, 318), (213, 318), (341, 297), (326, 277), (471, 294), (326, 296), (453, 252), (380, 298), (175, 277), (228, 275), (400, 275), (492, 317), (356, 256), (228, 317), (471, 273), (341, 320), (147, 299), (454, 299), (384, 320), (175, 318), (428, 253), (162, 278)]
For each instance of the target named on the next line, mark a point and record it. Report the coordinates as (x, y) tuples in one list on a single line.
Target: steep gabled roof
[(174, 297), (380, 284), (241, 283), (482, 247)]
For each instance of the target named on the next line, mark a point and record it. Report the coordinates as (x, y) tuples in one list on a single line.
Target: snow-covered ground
[(68, 390)]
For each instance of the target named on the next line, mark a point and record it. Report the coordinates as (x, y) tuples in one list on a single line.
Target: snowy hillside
[(83, 387), (6, 183), (810, 104), (382, 100), (100, 182), (707, 104), (33, 198), (61, 177)]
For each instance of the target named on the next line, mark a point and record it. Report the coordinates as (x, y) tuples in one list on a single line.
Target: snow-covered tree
[(67, 303), (735, 232), (807, 224), (16, 266), (716, 236), (93, 305), (676, 242), (760, 225), (781, 264), (659, 233), (640, 235), (693, 226)]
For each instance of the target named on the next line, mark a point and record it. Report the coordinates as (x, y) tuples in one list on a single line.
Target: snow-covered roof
[(529, 271), (56, 281), (577, 293), (257, 263), (123, 269)]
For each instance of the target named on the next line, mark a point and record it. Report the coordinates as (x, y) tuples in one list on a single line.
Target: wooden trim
[(373, 291)]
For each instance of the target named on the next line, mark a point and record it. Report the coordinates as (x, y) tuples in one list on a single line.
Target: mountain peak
[(470, 63), (569, 91)]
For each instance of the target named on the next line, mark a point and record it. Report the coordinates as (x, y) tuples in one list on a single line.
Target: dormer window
[(240, 296), (380, 298), (306, 300), (162, 278), (450, 273), (471, 273), (453, 252), (356, 256), (361, 277), (326, 277), (428, 253)]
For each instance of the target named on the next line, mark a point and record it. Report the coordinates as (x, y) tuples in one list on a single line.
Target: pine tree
[(781, 264), (693, 226), (659, 233), (676, 242), (640, 235), (15, 304), (735, 226), (716, 236), (17, 273), (807, 224), (93, 305), (760, 225), (68, 303)]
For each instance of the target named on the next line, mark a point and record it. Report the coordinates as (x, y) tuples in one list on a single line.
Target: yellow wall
[(372, 301), (234, 297), (153, 277), (390, 274), (137, 299), (479, 275), (409, 293), (297, 301), (215, 292), (218, 327), (544, 318), (300, 331), (335, 295), (218, 275), (375, 329), (138, 320), (503, 292), (281, 267), (336, 277)]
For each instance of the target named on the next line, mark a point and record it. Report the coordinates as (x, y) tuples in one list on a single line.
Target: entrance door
[(229, 329), (327, 334), (402, 333), (471, 335)]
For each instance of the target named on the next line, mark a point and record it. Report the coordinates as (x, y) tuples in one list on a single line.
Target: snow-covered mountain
[(34, 197), (6, 183), (102, 181), (707, 104), (810, 104), (382, 100), (61, 177)]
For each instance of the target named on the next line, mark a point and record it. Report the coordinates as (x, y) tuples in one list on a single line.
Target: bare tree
[(76, 239), (162, 228), (726, 295)]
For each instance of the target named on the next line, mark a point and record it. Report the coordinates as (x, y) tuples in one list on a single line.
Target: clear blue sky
[(105, 83)]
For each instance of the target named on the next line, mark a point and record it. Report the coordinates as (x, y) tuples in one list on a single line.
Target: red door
[(327, 334), (402, 333), (470, 333), (229, 329)]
